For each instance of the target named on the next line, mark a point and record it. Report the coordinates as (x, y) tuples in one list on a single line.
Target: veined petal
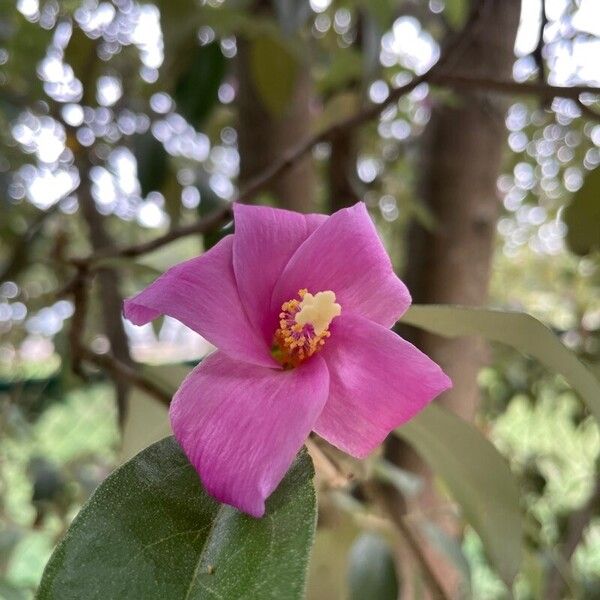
[(202, 294), (241, 425), (345, 255), (265, 239), (377, 382)]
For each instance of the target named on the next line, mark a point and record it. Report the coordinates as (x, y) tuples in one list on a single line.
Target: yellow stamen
[(318, 310)]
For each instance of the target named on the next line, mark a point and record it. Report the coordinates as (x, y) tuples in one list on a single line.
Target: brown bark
[(461, 161), (263, 137)]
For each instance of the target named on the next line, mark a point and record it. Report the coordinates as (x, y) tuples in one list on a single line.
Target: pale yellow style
[(318, 310)]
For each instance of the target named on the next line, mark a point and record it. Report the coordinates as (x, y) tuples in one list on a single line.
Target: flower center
[(304, 326)]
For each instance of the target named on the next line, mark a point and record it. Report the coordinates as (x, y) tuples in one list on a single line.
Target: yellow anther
[(304, 326)]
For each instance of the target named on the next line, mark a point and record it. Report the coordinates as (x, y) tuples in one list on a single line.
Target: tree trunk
[(108, 280), (461, 161), (263, 137), (341, 171)]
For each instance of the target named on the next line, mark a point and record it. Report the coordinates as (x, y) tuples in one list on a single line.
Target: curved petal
[(202, 294), (265, 239), (346, 255), (377, 382), (241, 425)]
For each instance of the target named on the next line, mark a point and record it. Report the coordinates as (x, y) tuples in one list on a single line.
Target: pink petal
[(346, 255), (202, 294), (377, 382), (265, 239), (242, 425)]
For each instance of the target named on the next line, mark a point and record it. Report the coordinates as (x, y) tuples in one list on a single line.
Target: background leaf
[(478, 478), (196, 91), (151, 532), (273, 69), (371, 569), (519, 330), (450, 547), (147, 420), (152, 162), (582, 216), (456, 12)]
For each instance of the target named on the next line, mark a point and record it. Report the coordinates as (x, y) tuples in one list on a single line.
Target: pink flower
[(299, 307)]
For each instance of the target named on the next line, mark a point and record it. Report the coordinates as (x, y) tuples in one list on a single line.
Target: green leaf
[(519, 330), (456, 12), (152, 162), (196, 91), (582, 216), (81, 55), (478, 478), (344, 68), (371, 569), (451, 547), (151, 532), (273, 68), (406, 482), (383, 11), (26, 44)]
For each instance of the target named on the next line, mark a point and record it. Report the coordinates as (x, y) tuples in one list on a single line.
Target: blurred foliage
[(141, 95), (582, 216)]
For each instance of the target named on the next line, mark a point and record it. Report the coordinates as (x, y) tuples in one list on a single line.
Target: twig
[(379, 492), (288, 159), (538, 53), (20, 246), (204, 225), (527, 88), (386, 501), (77, 287), (578, 522), (123, 372), (293, 155), (333, 476)]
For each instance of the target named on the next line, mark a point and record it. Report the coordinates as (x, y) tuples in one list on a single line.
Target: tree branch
[(538, 53), (123, 372), (578, 522), (527, 88), (294, 154), (20, 247), (387, 502)]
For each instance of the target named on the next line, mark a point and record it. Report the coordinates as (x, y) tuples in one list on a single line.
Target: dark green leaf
[(152, 162), (196, 91), (151, 532), (81, 55), (519, 330), (26, 44), (582, 216), (273, 68), (371, 569), (479, 479), (383, 11), (179, 25)]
